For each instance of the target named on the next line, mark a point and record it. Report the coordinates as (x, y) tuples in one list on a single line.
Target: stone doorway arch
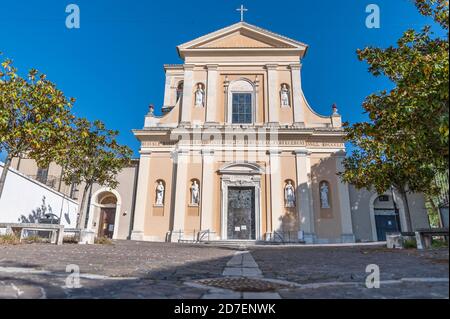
[(375, 206), (104, 214)]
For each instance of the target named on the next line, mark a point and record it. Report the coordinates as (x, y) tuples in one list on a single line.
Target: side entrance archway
[(386, 216), (105, 213), (108, 206)]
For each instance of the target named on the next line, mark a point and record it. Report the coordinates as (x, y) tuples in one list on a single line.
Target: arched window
[(241, 102)]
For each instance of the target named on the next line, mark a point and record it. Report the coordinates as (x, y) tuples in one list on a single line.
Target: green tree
[(35, 117), (93, 156), (406, 140)]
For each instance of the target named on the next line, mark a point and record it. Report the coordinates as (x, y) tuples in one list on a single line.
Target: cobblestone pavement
[(340, 272), (163, 270), (126, 269)]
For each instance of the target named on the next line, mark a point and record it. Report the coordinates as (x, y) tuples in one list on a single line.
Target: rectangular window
[(42, 175), (242, 108)]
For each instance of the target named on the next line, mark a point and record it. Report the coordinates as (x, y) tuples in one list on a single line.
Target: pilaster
[(142, 195), (299, 102)]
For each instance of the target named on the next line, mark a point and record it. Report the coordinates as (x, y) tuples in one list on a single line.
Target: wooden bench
[(424, 236), (57, 231)]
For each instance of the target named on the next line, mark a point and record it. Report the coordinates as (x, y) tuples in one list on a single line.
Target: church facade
[(238, 153)]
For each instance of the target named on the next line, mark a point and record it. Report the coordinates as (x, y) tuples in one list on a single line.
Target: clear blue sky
[(113, 64)]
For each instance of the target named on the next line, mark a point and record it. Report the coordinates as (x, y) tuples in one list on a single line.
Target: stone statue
[(195, 193), (289, 195), (199, 96), (151, 110), (160, 194), (284, 95), (324, 196)]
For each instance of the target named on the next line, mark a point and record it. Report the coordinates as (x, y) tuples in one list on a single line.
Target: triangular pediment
[(242, 39), (242, 36)]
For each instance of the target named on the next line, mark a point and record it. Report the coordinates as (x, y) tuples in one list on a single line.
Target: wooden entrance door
[(107, 219)]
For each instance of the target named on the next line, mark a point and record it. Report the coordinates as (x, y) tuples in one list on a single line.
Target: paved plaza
[(129, 269)]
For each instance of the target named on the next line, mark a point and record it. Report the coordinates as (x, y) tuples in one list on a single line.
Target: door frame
[(101, 219), (400, 207), (253, 210), (240, 175), (95, 207), (392, 213)]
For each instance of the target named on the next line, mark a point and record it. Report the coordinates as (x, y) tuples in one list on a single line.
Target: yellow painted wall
[(327, 224)]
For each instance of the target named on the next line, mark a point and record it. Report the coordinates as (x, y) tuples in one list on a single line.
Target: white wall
[(22, 200)]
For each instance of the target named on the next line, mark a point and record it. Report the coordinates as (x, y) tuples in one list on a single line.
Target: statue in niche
[(199, 96), (289, 195), (151, 110), (324, 196), (284, 95), (195, 193), (160, 194)]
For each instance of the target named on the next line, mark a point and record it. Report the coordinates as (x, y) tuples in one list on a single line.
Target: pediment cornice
[(241, 37)]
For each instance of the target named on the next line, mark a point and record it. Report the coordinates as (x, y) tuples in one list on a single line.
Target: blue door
[(386, 223)]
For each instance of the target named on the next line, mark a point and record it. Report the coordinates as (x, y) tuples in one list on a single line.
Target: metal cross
[(242, 10)]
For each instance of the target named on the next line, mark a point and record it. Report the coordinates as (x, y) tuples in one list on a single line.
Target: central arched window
[(241, 102), (242, 108)]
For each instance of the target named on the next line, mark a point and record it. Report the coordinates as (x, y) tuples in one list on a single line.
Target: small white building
[(25, 200)]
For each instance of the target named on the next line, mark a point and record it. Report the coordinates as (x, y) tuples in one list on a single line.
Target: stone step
[(237, 243), (232, 242)]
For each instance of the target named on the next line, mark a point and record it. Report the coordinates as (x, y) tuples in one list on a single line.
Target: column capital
[(212, 66), (295, 66), (181, 152), (145, 152), (274, 152), (206, 152), (271, 66), (340, 154), (189, 67), (302, 152)]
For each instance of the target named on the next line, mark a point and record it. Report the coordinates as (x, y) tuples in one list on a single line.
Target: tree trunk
[(81, 209), (4, 173), (407, 211), (436, 210)]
